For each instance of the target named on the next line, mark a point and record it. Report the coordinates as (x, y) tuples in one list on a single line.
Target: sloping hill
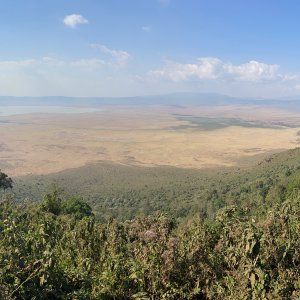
[(122, 192)]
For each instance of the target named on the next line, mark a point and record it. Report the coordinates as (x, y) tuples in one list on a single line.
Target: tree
[(52, 202), (5, 181), (76, 207)]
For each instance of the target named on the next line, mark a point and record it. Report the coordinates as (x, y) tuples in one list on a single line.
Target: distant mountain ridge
[(182, 99)]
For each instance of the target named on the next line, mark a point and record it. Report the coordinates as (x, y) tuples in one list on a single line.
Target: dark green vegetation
[(216, 234), (212, 123), (124, 192), (5, 181), (57, 250)]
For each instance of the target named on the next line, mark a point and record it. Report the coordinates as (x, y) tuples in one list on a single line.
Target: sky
[(109, 48)]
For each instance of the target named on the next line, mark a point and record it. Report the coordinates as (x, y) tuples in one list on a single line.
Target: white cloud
[(50, 62), (288, 77), (205, 68), (91, 63), (120, 57), (54, 76), (146, 28), (17, 63), (73, 20), (93, 76), (214, 68), (253, 71)]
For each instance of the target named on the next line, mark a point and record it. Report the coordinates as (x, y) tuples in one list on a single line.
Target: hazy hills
[(181, 99)]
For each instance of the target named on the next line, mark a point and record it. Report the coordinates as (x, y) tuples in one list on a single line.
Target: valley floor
[(148, 136)]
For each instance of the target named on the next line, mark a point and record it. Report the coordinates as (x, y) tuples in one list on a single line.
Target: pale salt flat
[(6, 111)]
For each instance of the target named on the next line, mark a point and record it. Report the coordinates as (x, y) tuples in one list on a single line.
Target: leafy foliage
[(45, 255), (5, 181), (53, 203), (240, 239)]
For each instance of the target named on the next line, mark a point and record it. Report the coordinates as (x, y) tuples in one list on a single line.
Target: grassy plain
[(143, 136)]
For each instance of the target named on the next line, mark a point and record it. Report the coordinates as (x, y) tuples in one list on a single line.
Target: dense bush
[(5, 181), (54, 204), (51, 252)]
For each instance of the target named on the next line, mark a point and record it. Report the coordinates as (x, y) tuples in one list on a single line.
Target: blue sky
[(141, 47)]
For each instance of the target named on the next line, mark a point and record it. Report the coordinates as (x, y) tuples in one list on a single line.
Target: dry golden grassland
[(46, 143)]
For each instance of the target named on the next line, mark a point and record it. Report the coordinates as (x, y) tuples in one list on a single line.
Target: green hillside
[(240, 238), (123, 192)]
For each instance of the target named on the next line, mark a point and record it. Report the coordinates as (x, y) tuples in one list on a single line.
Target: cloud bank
[(214, 68), (100, 74)]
